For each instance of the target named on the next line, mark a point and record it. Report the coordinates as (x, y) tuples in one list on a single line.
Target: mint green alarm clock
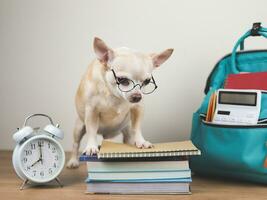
[(38, 156)]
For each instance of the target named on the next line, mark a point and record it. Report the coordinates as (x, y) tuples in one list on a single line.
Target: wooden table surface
[(74, 187)]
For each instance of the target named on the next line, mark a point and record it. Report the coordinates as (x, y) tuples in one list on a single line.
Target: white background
[(45, 47)]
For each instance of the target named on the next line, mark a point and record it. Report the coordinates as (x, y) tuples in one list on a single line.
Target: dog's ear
[(158, 59), (102, 51)]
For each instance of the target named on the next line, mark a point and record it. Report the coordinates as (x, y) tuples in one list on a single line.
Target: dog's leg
[(127, 135), (79, 131), (135, 130), (91, 124)]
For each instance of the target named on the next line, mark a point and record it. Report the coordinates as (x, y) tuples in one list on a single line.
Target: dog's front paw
[(73, 163), (91, 149), (143, 144)]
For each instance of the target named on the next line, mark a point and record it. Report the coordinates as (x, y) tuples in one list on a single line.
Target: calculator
[(237, 107)]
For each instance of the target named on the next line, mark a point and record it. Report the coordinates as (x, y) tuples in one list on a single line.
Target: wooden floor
[(74, 187)]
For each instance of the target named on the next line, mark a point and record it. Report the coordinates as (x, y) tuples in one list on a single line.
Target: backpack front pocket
[(228, 147)]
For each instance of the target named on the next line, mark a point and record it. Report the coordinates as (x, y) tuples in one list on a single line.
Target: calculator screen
[(238, 98)]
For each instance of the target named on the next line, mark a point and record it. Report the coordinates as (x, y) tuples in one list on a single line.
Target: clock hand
[(41, 154), (36, 162)]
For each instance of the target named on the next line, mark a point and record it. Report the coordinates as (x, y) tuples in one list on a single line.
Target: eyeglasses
[(126, 85)]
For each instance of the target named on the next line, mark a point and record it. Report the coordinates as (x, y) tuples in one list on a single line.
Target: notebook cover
[(256, 81), (182, 148), (112, 147)]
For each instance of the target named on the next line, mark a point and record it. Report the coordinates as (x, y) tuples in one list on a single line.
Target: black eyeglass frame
[(118, 83)]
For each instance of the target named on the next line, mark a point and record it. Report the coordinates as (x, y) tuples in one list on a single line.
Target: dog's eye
[(123, 81), (147, 81)]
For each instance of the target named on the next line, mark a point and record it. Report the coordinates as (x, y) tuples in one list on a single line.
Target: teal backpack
[(226, 150)]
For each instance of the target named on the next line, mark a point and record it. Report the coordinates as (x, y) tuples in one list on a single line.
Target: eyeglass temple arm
[(154, 81), (116, 79)]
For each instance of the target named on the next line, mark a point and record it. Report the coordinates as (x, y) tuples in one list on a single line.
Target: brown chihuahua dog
[(109, 100)]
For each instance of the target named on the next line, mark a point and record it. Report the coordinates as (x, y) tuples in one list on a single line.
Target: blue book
[(169, 180)]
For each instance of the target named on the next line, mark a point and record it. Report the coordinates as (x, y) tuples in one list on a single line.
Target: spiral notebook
[(119, 150)]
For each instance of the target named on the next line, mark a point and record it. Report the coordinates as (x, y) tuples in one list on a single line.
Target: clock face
[(41, 159)]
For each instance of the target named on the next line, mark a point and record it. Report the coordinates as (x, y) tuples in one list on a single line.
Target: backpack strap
[(257, 30)]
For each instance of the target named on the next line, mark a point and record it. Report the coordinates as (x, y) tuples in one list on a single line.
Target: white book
[(138, 188), (141, 166)]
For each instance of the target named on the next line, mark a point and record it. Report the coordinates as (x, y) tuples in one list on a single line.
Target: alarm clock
[(38, 156)]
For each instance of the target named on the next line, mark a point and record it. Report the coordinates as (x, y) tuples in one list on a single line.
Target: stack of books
[(125, 169)]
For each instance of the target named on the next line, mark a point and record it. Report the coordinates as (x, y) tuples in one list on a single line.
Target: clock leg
[(58, 181), (23, 184)]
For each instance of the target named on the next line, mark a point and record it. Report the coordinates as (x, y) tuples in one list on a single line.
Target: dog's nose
[(135, 98)]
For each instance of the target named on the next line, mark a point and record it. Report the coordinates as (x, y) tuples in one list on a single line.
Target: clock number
[(42, 173), (40, 143), (32, 146), (28, 168), (25, 160), (28, 152), (53, 149), (50, 171), (34, 172), (55, 165), (49, 145), (56, 157)]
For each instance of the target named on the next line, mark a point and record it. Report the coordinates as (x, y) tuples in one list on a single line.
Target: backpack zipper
[(259, 125)]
